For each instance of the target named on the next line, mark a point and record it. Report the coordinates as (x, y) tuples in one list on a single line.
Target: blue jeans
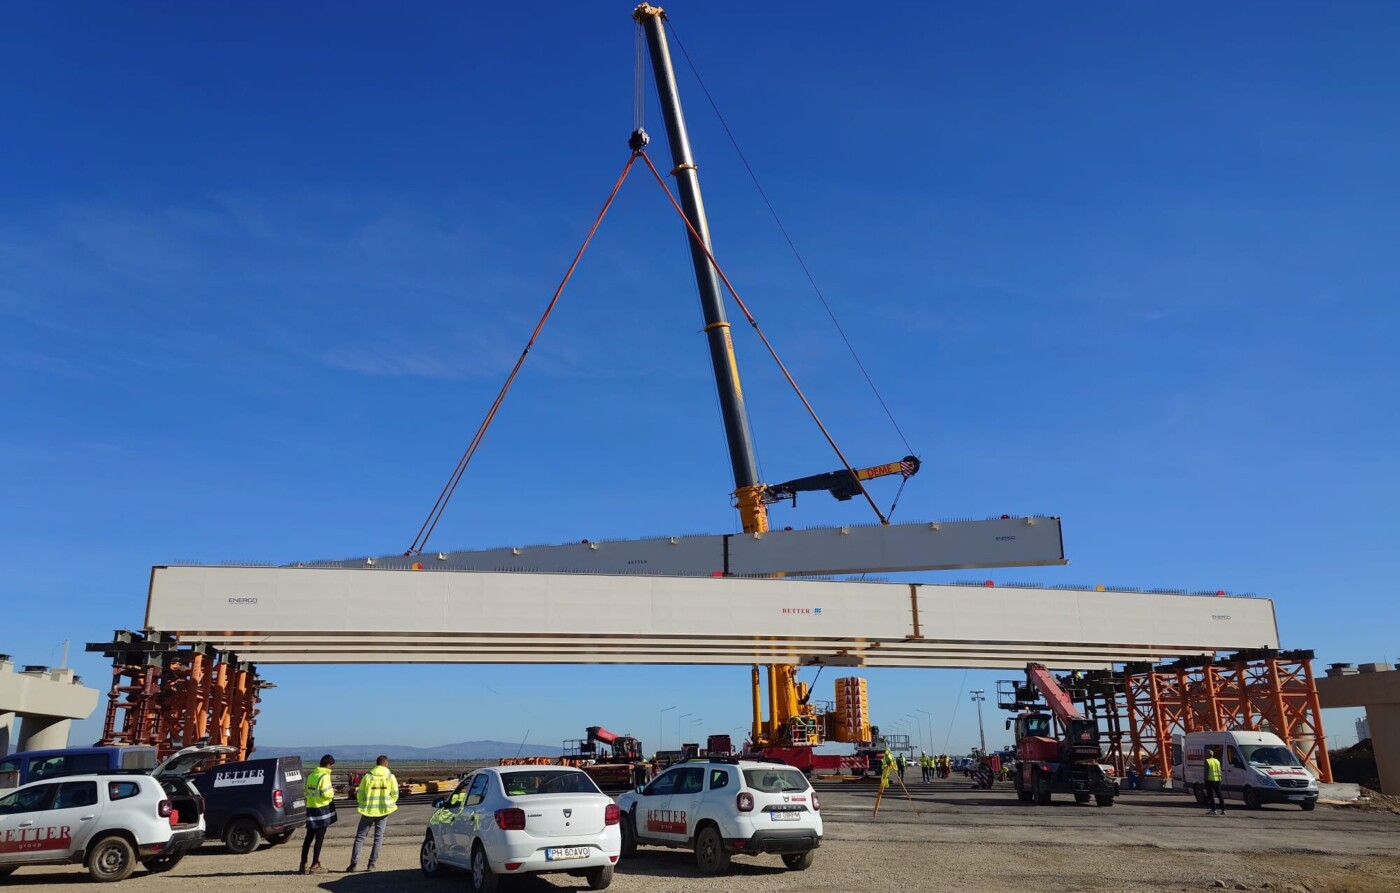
[(367, 822)]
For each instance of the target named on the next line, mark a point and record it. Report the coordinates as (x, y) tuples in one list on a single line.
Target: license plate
[(1296, 797), (786, 816), (557, 853), (298, 804)]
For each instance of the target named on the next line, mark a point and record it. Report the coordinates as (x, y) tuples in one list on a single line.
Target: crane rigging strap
[(440, 506), (764, 338)]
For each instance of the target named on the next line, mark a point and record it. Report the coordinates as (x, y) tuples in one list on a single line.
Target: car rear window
[(775, 780), (518, 784), (121, 790)]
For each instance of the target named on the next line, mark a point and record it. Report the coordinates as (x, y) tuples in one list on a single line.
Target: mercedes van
[(1256, 767)]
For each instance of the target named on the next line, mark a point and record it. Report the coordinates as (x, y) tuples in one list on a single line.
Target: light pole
[(929, 723), (695, 722), (661, 728), (979, 695), (680, 736), (918, 730)]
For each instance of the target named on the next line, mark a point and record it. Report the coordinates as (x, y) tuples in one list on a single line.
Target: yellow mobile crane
[(794, 725)]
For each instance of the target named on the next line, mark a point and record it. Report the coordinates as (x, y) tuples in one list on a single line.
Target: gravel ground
[(950, 839)]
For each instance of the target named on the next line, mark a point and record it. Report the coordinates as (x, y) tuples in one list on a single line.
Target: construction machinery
[(797, 725), (607, 758), (1057, 746)]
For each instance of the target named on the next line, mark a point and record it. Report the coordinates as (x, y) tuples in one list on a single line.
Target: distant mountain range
[(459, 752)]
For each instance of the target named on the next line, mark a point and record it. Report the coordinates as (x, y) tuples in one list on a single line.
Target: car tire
[(799, 861), (1200, 793), (158, 864), (1081, 797), (428, 857), (1251, 799), (482, 879), (242, 836), (599, 878), (629, 835), (710, 855), (1103, 799), (1308, 805), (1042, 789), (1025, 796), (111, 859)]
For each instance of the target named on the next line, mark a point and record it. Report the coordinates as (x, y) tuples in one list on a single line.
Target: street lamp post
[(661, 728), (929, 723), (680, 736), (979, 695)]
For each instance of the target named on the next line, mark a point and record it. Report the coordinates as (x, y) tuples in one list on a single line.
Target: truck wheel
[(599, 878), (1081, 797), (242, 837), (1308, 805), (710, 855), (1042, 789), (157, 864), (1200, 793), (799, 861), (111, 859), (1251, 799), (1103, 799), (629, 835)]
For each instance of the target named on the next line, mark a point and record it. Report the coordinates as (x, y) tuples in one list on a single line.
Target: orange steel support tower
[(1249, 691), (170, 696)]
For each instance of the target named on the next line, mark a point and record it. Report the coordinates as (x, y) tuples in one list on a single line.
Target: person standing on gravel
[(320, 813), (377, 797), (1213, 777)]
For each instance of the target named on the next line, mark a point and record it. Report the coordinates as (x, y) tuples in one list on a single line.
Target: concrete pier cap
[(45, 701), (1376, 687)]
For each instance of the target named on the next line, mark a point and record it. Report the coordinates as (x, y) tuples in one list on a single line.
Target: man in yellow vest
[(1213, 778), (377, 797), (320, 813)]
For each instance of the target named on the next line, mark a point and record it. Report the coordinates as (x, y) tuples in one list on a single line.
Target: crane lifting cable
[(435, 515)]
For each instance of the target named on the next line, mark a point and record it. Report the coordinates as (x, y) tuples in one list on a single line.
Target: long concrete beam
[(338, 615), (859, 549)]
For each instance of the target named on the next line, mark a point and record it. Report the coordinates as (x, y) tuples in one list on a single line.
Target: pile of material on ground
[(1356, 765)]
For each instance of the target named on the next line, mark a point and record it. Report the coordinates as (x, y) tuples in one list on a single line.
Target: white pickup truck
[(108, 821)]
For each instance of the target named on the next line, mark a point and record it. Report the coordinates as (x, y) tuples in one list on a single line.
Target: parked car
[(512, 820), (109, 821), (34, 765), (252, 800), (723, 807)]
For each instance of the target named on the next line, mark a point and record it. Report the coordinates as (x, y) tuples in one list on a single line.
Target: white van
[(1256, 767)]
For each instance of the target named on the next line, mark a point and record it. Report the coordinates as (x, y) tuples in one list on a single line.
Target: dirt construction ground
[(960, 841)]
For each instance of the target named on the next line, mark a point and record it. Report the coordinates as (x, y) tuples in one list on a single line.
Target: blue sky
[(262, 271)]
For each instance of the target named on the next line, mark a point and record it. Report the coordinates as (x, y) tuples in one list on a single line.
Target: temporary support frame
[(168, 695), (1261, 690)]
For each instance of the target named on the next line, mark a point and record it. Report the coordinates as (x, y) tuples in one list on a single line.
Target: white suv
[(108, 821), (723, 807)]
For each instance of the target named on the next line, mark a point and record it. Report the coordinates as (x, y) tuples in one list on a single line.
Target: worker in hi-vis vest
[(1213, 778), (378, 796), (320, 814)]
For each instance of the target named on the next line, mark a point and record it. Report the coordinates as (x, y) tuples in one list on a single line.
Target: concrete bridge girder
[(45, 702)]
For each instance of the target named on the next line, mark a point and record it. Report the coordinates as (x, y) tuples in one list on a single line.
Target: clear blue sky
[(262, 270)]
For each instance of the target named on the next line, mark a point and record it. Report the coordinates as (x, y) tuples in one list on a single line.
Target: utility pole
[(979, 695), (748, 491)]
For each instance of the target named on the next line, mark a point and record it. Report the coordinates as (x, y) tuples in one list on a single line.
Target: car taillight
[(744, 802), (510, 819), (277, 800), (612, 815), (164, 808), (816, 803)]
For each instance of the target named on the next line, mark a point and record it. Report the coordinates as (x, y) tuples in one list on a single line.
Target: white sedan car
[(510, 820)]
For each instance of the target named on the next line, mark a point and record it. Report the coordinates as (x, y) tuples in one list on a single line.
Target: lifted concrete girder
[(302, 615), (939, 545)]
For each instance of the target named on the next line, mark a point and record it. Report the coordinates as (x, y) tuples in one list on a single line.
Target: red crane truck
[(1046, 764)]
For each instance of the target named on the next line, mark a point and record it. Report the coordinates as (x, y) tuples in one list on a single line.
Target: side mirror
[(439, 803), (1008, 724)]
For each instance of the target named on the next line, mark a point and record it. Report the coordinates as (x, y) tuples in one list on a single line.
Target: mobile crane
[(1046, 764)]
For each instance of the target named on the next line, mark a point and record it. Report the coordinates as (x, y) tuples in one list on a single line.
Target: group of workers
[(376, 796), (940, 766)]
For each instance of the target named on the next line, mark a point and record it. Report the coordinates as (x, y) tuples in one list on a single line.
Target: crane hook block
[(639, 140)]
